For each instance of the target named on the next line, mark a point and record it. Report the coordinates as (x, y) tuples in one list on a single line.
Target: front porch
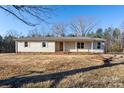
[(72, 46)]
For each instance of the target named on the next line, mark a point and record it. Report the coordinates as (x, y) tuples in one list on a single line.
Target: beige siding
[(87, 45), (54, 46), (36, 47), (97, 51), (57, 46), (95, 45), (72, 47)]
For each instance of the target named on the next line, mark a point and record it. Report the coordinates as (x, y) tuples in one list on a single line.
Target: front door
[(61, 46)]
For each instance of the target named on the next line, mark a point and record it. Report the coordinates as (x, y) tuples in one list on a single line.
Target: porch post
[(63, 46), (16, 46), (76, 47), (92, 46)]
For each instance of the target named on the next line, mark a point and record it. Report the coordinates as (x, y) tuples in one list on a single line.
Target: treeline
[(114, 39), (114, 36), (7, 44)]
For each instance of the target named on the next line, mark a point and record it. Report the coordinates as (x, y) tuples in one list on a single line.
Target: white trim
[(27, 44), (16, 46), (46, 44), (91, 45), (50, 47), (76, 46), (63, 46)]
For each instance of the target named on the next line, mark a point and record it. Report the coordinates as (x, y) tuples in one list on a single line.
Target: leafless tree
[(122, 35), (112, 36), (26, 13), (8, 44), (81, 27), (59, 29), (34, 33), (13, 33)]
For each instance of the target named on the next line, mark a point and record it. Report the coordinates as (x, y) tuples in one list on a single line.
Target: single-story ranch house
[(57, 44)]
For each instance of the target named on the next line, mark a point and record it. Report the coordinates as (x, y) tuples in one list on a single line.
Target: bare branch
[(29, 14), (81, 28), (59, 29), (30, 24)]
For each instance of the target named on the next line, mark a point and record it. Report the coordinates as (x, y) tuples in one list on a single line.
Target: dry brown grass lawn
[(51, 70)]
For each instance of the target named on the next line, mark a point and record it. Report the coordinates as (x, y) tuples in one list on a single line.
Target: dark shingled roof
[(59, 39)]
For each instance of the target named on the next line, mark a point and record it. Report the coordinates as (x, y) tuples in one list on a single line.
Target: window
[(80, 45), (26, 44), (43, 44), (98, 45)]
